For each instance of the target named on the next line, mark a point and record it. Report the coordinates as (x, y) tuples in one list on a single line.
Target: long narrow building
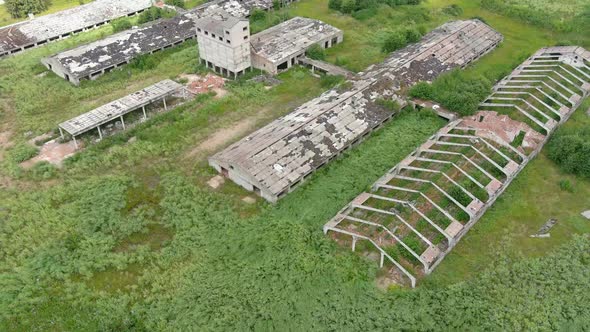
[(24, 35), (275, 159)]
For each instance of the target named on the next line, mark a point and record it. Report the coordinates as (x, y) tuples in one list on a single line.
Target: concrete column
[(353, 243), (61, 132), (99, 132), (381, 261), (122, 122), (144, 115), (75, 142), (165, 106)]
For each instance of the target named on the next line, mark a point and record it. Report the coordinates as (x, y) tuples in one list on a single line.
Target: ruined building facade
[(224, 43)]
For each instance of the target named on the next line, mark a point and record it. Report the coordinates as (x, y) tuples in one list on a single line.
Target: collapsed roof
[(417, 212), (290, 37), (90, 60), (39, 30), (277, 157)]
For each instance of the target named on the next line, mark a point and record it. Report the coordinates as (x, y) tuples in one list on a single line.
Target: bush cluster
[(400, 38), (22, 8), (571, 151), (456, 91), (121, 24)]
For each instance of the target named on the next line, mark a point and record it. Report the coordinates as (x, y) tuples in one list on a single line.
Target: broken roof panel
[(277, 156), (91, 59), (119, 107), (86, 60), (43, 28), (293, 36)]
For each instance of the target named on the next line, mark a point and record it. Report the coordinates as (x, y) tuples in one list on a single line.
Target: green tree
[(21, 8)]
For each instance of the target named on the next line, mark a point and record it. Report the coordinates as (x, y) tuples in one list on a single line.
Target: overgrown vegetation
[(121, 24), (400, 38), (571, 15), (456, 91), (570, 149), (127, 236), (155, 13), (176, 3), (22, 8), (316, 52), (352, 6)]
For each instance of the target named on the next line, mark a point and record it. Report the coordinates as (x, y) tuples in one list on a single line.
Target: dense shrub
[(22, 152), (453, 10), (257, 15), (154, 13), (398, 39), (121, 24), (176, 3), (329, 81), (571, 151), (456, 91), (21, 8), (43, 171), (316, 52)]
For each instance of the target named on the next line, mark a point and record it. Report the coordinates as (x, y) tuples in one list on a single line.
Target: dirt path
[(223, 136)]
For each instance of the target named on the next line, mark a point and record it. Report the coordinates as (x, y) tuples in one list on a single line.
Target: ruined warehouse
[(275, 159), (278, 47), (91, 60), (119, 108), (417, 212), (20, 36)]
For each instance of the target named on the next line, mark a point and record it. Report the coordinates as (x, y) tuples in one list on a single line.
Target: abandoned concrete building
[(91, 60), (279, 47), (415, 214), (21, 36), (275, 159), (120, 107), (224, 43)]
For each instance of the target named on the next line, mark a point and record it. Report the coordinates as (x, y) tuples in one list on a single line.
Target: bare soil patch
[(53, 152)]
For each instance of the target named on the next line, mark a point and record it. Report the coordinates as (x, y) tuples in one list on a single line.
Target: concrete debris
[(544, 230), (322, 128), (216, 181), (586, 214), (249, 200)]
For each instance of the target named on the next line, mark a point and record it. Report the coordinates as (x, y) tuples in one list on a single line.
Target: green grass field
[(128, 236)]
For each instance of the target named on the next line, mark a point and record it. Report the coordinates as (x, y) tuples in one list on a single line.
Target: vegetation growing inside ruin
[(457, 91), (128, 236)]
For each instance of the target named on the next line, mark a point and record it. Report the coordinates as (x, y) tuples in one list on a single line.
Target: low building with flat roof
[(278, 48), (24, 35), (275, 159)]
